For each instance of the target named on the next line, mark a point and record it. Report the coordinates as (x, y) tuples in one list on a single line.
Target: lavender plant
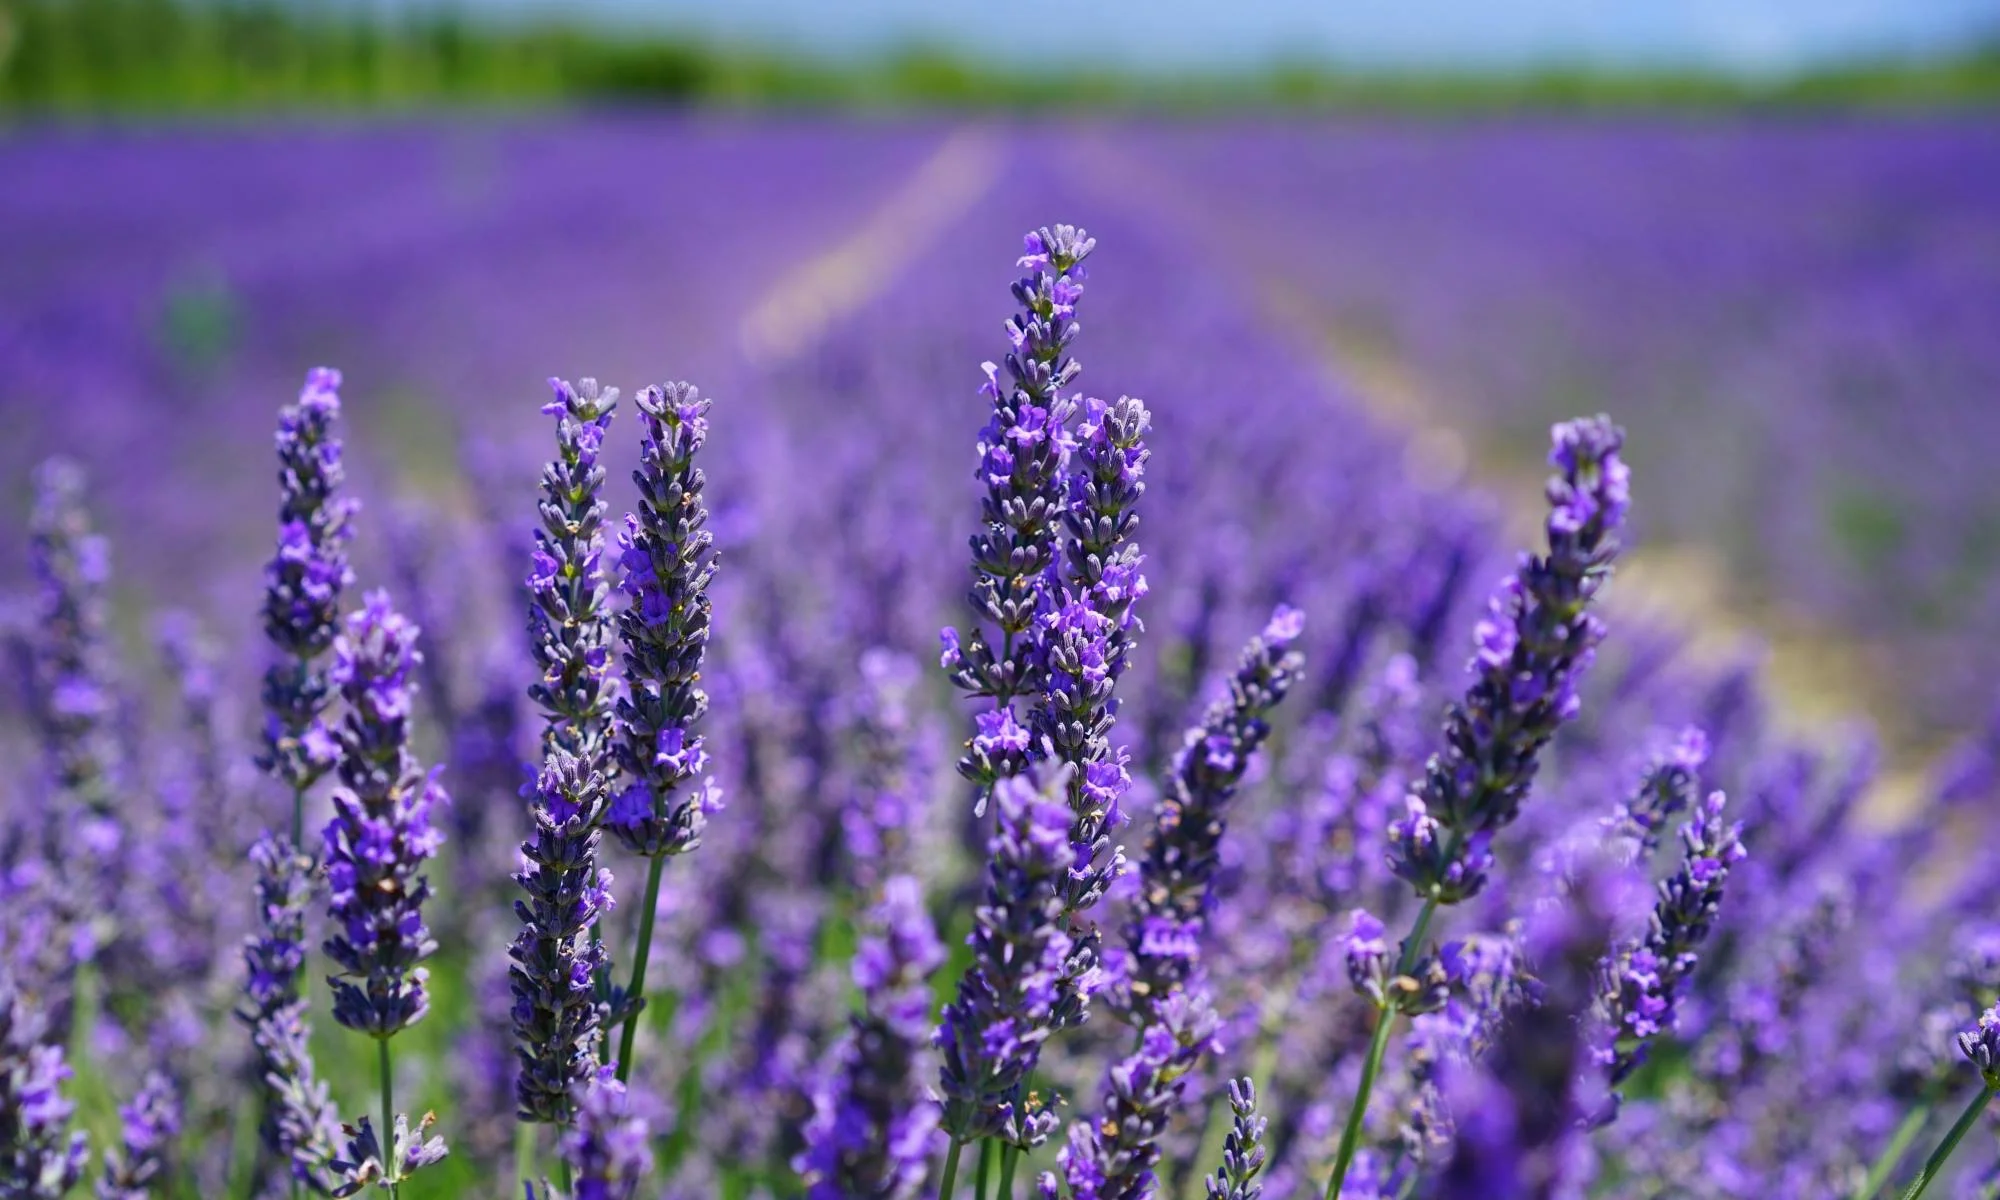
[(40, 1159), (667, 556)]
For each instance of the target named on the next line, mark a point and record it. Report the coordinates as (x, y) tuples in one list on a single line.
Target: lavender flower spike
[(151, 1121), (302, 587), (991, 1035), (1178, 872), (1643, 982), (1112, 1158), (609, 1148), (871, 1131), (1023, 454), (554, 958), (1243, 1150), (39, 1159), (668, 558), (568, 626), (72, 566), (299, 1119), (1533, 647), (381, 833)]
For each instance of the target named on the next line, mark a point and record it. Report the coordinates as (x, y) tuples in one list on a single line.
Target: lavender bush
[(1393, 930)]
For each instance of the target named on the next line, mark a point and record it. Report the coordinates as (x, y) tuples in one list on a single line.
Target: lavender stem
[(950, 1179), (655, 867), (1934, 1166), (391, 1170), (1009, 1158), (1899, 1145), (985, 1169)]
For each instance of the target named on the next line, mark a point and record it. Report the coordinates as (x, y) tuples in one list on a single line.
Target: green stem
[(298, 836), (950, 1179), (1009, 1156), (985, 1168), (634, 993), (1385, 1023), (524, 1156), (1899, 1144), (391, 1169), (1935, 1164), (565, 1174)]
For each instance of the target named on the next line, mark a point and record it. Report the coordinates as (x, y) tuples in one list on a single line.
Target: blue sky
[(1743, 35)]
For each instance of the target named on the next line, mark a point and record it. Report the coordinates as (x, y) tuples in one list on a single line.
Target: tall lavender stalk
[(667, 557), (1243, 1151), (872, 1127), (138, 1169), (1532, 650), (1112, 1157), (302, 595), (1177, 875), (377, 843), (558, 957), (1023, 455)]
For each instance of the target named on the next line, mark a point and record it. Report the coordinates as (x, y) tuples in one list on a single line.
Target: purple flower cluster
[(873, 1131), (381, 833), (299, 1121), (568, 627), (1243, 1149), (1024, 453), (1112, 1157), (139, 1168), (554, 959), (75, 701), (667, 558), (39, 1158), (1008, 1001), (1533, 647)]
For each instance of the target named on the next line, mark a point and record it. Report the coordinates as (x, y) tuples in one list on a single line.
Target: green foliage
[(147, 57)]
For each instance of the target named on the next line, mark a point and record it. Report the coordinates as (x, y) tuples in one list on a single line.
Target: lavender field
[(1293, 809)]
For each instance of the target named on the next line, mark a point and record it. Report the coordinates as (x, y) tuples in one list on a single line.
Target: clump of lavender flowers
[(40, 1159)]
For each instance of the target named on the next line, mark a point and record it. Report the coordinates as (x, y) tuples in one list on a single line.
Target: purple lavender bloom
[(609, 1147), (39, 1158), (1532, 650), (884, 812), (1981, 1046), (1023, 456), (1182, 852), (299, 1122), (1670, 787), (554, 959), (74, 698), (872, 1132), (567, 623), (151, 1121), (1643, 981), (303, 584), (381, 832), (991, 1035), (360, 1165), (1242, 1150), (1366, 949), (667, 556), (1112, 1157)]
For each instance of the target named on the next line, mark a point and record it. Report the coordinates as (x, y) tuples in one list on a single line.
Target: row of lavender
[(1796, 318), (827, 746)]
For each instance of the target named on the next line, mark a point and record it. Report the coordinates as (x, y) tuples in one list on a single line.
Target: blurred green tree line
[(165, 56)]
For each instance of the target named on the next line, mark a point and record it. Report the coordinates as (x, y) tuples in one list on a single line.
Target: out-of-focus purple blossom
[(568, 626), (881, 819), (554, 958), (150, 1123), (361, 1162), (1519, 1114), (1023, 459), (991, 1035), (1532, 650), (74, 699), (873, 1132), (1177, 874), (1243, 1151), (667, 558), (1981, 1045), (609, 1147), (381, 833), (1111, 1157), (1643, 981), (303, 584), (39, 1158)]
